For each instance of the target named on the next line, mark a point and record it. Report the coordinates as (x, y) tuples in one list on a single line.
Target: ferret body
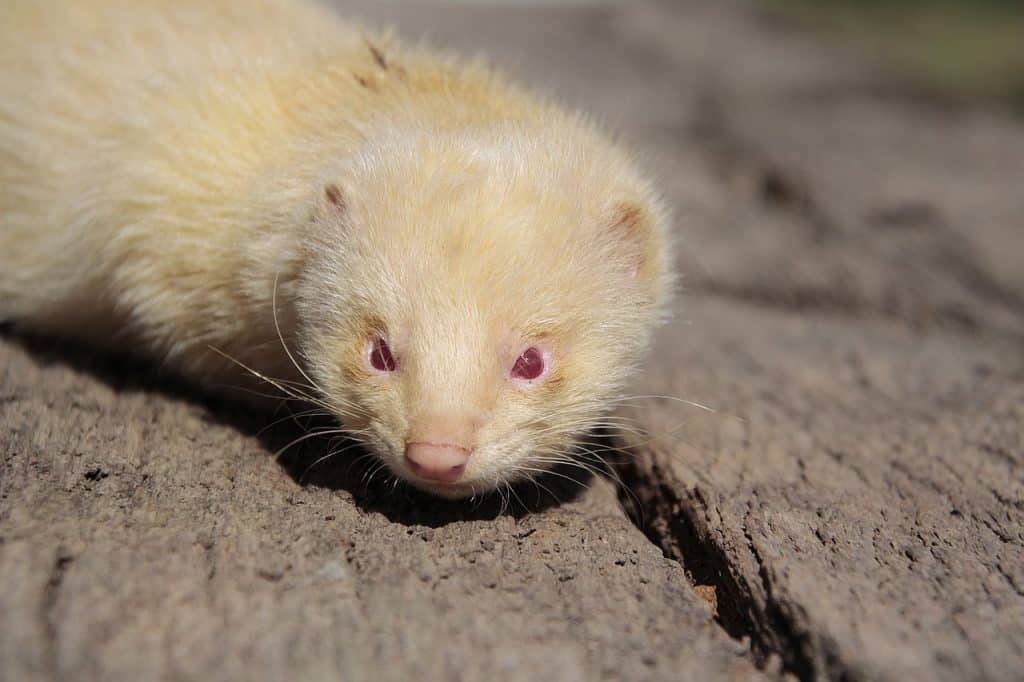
[(463, 273)]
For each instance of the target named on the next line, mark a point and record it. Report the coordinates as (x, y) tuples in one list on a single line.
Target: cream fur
[(167, 170)]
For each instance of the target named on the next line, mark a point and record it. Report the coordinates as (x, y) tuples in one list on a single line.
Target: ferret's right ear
[(333, 207), (332, 200)]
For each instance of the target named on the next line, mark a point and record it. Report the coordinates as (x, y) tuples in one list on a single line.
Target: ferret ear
[(332, 200), (632, 226), (333, 205)]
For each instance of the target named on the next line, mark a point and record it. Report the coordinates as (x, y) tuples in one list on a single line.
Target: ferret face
[(470, 306)]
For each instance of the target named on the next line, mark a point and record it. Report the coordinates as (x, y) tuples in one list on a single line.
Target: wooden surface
[(852, 508)]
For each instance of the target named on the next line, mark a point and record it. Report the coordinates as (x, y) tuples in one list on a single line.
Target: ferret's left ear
[(632, 226)]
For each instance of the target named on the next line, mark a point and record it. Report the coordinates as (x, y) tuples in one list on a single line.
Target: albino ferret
[(463, 273)]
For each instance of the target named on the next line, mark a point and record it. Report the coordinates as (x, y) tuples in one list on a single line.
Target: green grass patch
[(959, 48)]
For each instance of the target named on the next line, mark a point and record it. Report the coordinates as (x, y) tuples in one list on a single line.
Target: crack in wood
[(673, 522), (51, 592)]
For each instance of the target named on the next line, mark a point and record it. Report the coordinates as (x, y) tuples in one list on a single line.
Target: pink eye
[(381, 358), (529, 365)]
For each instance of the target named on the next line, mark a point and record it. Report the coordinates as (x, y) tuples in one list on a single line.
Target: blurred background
[(966, 50), (957, 49)]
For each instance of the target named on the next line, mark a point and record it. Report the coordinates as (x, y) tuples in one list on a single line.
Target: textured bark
[(856, 499), (146, 535)]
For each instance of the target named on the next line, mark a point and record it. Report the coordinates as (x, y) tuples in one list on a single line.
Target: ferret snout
[(438, 448), (443, 462)]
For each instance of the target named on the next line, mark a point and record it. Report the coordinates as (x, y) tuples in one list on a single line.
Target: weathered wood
[(857, 499), (856, 318), (144, 536)]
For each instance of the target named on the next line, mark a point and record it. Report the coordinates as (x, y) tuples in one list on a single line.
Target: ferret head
[(471, 302)]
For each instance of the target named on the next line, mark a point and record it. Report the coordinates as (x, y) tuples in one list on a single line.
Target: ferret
[(462, 272)]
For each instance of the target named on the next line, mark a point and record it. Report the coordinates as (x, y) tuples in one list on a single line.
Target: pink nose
[(436, 461)]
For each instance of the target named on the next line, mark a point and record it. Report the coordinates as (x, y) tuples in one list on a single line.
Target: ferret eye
[(380, 356), (529, 365)]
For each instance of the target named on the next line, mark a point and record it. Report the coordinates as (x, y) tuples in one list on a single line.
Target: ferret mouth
[(455, 490), (458, 488)]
